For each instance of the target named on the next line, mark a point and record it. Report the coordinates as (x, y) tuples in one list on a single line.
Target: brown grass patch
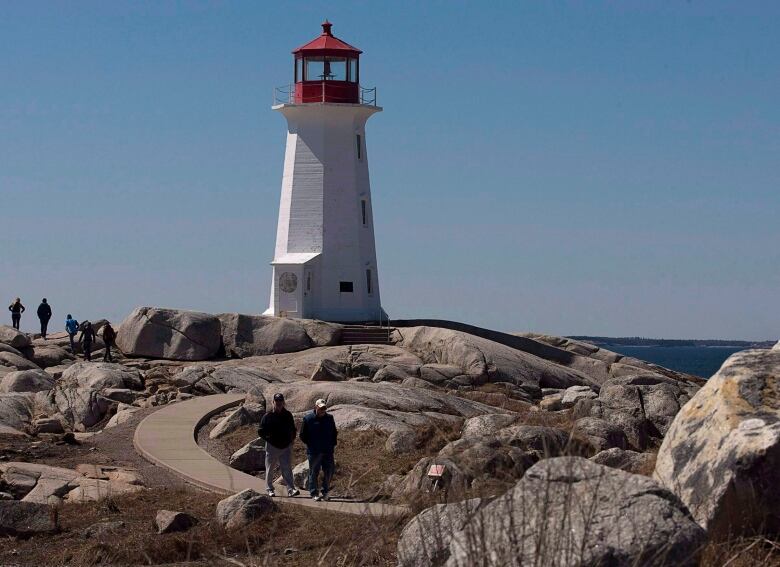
[(742, 552), (291, 536)]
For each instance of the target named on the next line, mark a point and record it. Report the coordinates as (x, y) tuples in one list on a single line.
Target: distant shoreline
[(643, 342)]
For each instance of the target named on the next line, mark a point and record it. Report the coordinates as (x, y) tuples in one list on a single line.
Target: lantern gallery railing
[(324, 91)]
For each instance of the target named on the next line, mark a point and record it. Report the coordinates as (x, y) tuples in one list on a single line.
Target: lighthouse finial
[(326, 25)]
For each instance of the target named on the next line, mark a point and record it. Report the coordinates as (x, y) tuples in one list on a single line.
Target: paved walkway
[(167, 438)]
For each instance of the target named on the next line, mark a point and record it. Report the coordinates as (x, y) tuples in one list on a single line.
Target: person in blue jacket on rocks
[(72, 328), (318, 433)]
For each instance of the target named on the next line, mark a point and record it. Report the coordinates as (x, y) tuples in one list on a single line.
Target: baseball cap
[(278, 397), (320, 403)]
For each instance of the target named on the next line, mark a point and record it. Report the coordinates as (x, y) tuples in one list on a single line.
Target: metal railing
[(286, 94)]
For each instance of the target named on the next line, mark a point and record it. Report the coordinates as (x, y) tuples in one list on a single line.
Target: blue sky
[(600, 168)]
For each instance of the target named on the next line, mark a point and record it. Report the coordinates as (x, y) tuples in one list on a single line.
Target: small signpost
[(436, 474)]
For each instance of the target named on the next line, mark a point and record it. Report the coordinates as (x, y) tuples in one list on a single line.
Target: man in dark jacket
[(109, 336), (278, 429), (86, 338), (319, 434), (44, 314)]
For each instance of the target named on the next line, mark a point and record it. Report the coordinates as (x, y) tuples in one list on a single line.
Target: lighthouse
[(324, 264)]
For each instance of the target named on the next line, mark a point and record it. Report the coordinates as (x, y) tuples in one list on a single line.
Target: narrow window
[(345, 287), (308, 282), (363, 211), (368, 282), (359, 147)]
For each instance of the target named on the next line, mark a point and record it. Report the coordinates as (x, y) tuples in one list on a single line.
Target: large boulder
[(568, 511), (643, 406), (16, 362), (252, 335), (483, 360), (13, 338), (240, 510), (247, 414), (721, 455), (27, 381), (25, 519), (425, 540), (169, 333), (101, 376), (16, 411), (249, 458), (48, 355), (224, 379)]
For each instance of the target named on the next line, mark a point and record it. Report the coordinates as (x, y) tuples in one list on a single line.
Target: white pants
[(281, 456)]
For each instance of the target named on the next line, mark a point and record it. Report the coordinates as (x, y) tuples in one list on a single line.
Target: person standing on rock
[(16, 308), (87, 336), (277, 428), (319, 434), (72, 328), (109, 337), (44, 314)]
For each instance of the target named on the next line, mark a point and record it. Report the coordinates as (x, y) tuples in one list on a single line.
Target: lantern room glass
[(326, 68)]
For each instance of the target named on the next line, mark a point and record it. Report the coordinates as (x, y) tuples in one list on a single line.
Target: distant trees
[(642, 341)]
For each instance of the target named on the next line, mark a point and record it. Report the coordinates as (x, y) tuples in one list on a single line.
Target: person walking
[(319, 434), (109, 337), (16, 308), (44, 314), (72, 328), (278, 429), (85, 339)]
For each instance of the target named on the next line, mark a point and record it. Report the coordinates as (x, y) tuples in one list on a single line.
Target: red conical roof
[(327, 44)]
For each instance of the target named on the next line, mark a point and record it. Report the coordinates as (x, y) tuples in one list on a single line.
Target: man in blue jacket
[(318, 433)]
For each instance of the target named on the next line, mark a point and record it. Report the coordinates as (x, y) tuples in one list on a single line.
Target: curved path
[(167, 438)]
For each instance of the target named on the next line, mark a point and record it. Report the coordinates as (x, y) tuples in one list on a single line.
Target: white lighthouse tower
[(324, 265)]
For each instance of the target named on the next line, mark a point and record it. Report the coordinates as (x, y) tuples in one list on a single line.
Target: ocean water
[(700, 361)]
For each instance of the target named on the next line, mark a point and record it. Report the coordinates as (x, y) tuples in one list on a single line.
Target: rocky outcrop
[(568, 511), (721, 455), (79, 394), (169, 333), (625, 460), (44, 484), (240, 510), (599, 434), (642, 406), (27, 381), (16, 411), (482, 360), (48, 355), (502, 455), (13, 338), (252, 335), (16, 362), (425, 540), (224, 379)]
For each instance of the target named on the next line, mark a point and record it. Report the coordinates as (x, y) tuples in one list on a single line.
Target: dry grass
[(362, 462), (742, 552), (291, 536)]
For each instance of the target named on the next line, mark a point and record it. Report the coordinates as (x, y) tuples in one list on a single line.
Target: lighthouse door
[(288, 293)]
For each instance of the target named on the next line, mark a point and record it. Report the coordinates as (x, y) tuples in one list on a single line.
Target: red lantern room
[(327, 69)]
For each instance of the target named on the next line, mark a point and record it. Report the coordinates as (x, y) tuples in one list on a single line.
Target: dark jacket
[(16, 307), (44, 311), (319, 433), (278, 429), (87, 334), (109, 335)]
